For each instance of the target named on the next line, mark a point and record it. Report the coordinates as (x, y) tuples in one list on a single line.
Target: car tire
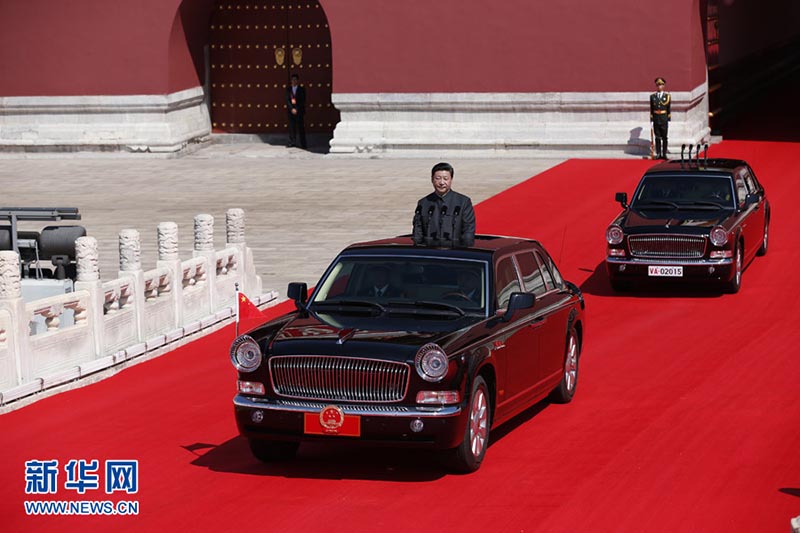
[(565, 390), (268, 451), (733, 286), (765, 239), (468, 456)]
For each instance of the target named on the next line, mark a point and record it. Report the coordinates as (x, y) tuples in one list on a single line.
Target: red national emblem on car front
[(331, 418)]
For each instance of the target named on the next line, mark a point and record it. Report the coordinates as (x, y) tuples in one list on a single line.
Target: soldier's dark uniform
[(444, 221), (660, 116)]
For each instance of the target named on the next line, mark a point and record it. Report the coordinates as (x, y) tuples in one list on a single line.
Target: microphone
[(445, 234), (457, 210)]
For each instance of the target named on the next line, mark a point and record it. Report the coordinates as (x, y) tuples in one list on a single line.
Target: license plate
[(665, 271), (332, 421)]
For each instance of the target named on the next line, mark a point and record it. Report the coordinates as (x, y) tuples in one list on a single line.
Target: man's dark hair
[(295, 77), (443, 166)]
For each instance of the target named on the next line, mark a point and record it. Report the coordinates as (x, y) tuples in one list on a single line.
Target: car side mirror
[(298, 292), (622, 198), (517, 301), (752, 198)]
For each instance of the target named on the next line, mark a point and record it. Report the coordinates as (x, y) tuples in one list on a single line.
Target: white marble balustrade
[(54, 343)]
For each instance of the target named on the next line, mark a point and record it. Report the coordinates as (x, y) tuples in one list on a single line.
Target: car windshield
[(684, 192), (404, 285)]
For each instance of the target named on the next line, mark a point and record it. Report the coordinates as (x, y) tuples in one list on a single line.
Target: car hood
[(339, 334), (687, 221)]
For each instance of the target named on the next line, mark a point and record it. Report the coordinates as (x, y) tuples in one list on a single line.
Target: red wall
[(107, 47), (514, 45), (98, 47)]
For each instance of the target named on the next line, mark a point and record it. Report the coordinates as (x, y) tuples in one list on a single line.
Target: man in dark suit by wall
[(296, 105), (444, 217)]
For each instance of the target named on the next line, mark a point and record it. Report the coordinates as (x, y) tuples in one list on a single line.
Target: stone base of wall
[(130, 123), (550, 124)]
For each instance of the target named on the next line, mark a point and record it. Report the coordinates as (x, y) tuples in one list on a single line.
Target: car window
[(680, 190), (406, 279), (741, 189), (558, 281), (337, 281), (754, 178), (751, 184), (548, 278), (531, 275), (506, 281)]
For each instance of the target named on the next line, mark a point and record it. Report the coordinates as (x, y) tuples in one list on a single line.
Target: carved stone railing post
[(168, 257), (130, 265), (10, 286), (204, 247), (88, 279), (16, 337), (234, 230), (234, 225)]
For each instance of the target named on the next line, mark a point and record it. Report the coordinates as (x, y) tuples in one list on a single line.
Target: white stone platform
[(534, 124)]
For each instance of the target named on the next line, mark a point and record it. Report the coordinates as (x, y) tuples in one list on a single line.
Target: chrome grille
[(316, 406), (344, 379), (667, 246)]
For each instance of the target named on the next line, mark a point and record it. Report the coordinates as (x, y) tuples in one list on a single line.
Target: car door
[(554, 306), (534, 282), (756, 215), (516, 341)]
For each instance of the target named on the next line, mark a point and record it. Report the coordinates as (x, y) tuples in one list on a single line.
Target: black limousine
[(412, 346), (689, 220)]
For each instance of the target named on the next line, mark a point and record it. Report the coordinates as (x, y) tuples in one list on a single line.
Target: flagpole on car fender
[(236, 309)]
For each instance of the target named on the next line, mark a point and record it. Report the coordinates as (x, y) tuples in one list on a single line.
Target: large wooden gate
[(255, 46)]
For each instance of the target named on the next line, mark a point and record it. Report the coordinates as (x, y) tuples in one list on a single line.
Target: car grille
[(361, 409), (346, 379), (673, 246)]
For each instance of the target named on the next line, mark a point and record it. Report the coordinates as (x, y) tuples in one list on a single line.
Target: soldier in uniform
[(444, 217), (659, 116), (296, 105)]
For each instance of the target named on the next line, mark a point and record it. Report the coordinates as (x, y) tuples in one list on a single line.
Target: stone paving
[(301, 207)]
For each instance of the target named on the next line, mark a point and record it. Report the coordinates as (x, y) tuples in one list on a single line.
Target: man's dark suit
[(387, 291), (444, 221), (296, 100)]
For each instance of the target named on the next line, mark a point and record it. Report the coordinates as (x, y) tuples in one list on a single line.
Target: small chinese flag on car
[(248, 315)]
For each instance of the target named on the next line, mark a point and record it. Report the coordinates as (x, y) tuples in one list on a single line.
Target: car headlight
[(614, 234), (431, 362), (719, 236), (245, 354)]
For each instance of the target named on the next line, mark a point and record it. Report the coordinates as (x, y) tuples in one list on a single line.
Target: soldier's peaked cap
[(661, 81)]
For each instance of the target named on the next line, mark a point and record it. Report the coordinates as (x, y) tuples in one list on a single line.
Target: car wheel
[(269, 451), (735, 283), (765, 239), (469, 455), (565, 390)]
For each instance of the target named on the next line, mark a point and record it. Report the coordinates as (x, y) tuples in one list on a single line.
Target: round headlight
[(431, 362), (614, 234), (245, 354), (718, 236)]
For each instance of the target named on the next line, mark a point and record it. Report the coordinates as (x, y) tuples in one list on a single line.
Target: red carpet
[(687, 416)]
